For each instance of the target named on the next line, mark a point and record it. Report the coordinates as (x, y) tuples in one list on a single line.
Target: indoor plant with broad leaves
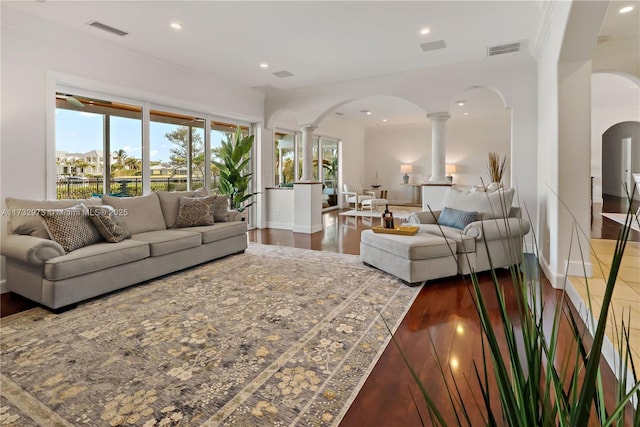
[(233, 166), (537, 382)]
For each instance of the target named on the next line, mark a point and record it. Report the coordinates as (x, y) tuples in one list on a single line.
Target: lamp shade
[(450, 168), (406, 168)]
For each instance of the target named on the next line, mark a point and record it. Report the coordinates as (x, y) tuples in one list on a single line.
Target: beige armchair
[(355, 193)]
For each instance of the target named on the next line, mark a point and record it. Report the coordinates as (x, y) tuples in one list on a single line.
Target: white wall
[(468, 142), (33, 51)]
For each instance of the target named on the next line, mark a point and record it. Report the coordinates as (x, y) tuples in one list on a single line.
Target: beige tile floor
[(626, 295)]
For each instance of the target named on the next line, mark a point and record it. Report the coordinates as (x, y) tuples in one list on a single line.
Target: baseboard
[(579, 268), (3, 286), (307, 229), (280, 225), (609, 351)]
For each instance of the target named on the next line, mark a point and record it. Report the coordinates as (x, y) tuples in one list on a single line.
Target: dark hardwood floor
[(443, 312)]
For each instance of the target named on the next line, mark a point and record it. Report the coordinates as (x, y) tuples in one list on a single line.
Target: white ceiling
[(318, 41)]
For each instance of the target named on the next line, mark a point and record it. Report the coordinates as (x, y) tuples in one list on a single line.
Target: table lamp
[(406, 169), (450, 169)]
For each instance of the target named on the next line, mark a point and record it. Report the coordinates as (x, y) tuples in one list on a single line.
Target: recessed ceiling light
[(626, 9), (460, 103), (424, 31), (176, 25), (466, 114), (384, 120), (367, 112), (264, 65)]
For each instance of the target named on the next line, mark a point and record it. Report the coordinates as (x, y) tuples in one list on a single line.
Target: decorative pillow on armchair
[(456, 218), (195, 211), (70, 227)]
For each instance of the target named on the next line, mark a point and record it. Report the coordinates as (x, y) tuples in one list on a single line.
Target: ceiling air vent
[(505, 48), (435, 45), (107, 28), (283, 74)]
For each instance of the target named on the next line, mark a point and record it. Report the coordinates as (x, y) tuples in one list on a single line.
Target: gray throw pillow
[(456, 218), (70, 227), (195, 211), (107, 222)]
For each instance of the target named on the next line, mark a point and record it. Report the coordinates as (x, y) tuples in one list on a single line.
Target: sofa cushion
[(141, 214), (170, 205), (162, 242), (456, 218), (108, 224), (195, 211), (220, 231), (70, 227), (94, 258), (418, 246), (488, 205), (25, 217), (464, 242)]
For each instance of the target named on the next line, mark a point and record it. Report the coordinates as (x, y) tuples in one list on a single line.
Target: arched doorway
[(620, 158)]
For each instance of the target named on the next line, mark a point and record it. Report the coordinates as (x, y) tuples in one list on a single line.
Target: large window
[(285, 159), (220, 132), (288, 162), (100, 147), (177, 159)]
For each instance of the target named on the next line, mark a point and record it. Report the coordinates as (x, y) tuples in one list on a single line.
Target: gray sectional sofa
[(40, 269)]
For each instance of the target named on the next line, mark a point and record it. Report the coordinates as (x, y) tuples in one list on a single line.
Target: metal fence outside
[(89, 187)]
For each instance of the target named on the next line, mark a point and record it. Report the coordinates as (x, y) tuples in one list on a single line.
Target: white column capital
[(308, 128), (442, 116)]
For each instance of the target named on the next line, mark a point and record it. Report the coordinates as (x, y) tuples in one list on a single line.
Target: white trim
[(3, 287), (280, 225), (307, 229), (609, 351), (579, 268)]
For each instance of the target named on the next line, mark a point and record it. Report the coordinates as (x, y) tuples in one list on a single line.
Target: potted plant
[(331, 166), (234, 178)]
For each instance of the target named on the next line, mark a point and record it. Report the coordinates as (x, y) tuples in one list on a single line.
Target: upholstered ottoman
[(414, 259)]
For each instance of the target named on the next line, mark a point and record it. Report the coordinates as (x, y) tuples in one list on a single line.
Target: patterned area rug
[(275, 336)]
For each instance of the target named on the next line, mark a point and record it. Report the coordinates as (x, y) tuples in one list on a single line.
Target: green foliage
[(536, 385), (233, 165), (180, 151)]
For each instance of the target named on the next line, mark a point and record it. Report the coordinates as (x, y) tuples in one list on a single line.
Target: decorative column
[(307, 153), (438, 145)]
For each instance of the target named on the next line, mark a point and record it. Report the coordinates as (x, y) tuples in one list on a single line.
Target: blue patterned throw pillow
[(456, 218)]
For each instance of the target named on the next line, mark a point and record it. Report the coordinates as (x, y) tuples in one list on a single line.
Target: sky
[(79, 132)]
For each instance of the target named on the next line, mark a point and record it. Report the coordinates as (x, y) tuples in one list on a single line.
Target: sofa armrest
[(424, 217), (496, 229), (29, 249)]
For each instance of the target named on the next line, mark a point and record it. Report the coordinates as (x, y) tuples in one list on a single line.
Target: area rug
[(275, 336), (400, 212), (620, 218)]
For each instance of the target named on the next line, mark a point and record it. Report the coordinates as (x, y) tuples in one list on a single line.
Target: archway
[(620, 158)]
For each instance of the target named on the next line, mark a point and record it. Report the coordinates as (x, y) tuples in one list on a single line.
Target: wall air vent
[(435, 45), (283, 74), (505, 48), (107, 28)]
